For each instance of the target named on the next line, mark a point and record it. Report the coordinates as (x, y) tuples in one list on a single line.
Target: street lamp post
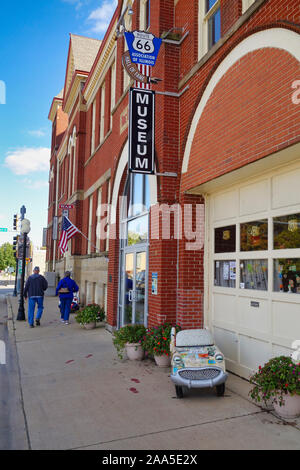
[(25, 229)]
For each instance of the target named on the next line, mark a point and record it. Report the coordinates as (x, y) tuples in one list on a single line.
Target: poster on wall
[(154, 284)]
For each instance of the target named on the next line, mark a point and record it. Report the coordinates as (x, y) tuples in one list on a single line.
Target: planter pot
[(290, 408), (134, 351), (90, 326), (267, 405), (163, 361)]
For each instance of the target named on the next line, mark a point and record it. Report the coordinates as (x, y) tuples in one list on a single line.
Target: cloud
[(101, 16), (78, 3), (37, 133), (35, 184), (26, 160)]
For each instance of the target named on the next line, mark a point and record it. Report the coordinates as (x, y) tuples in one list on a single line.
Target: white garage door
[(253, 288)]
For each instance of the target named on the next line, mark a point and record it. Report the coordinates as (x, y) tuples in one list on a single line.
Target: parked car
[(196, 361)]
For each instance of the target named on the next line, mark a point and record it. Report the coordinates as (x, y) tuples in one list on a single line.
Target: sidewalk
[(78, 395)]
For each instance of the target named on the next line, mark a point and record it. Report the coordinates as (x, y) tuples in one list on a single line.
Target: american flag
[(67, 232)]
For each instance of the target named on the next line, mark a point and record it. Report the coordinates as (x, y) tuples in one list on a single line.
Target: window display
[(254, 235), (286, 232), (225, 239), (225, 273), (287, 275), (254, 274)]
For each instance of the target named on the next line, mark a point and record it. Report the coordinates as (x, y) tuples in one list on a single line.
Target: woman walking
[(66, 288)]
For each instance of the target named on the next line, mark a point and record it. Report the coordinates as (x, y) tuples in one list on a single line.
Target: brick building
[(227, 123)]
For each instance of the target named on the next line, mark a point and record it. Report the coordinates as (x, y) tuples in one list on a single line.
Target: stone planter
[(90, 326), (267, 405), (290, 408), (134, 351), (163, 361)]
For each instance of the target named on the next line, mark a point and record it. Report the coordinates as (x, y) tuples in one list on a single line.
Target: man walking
[(35, 287)]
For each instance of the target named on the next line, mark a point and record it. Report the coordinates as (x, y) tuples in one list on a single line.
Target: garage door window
[(287, 275), (286, 232), (254, 274), (254, 235), (225, 273), (225, 239)]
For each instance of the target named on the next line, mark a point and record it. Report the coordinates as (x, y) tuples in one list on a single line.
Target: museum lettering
[(141, 131)]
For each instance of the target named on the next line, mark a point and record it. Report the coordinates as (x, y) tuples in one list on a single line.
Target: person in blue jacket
[(69, 286)]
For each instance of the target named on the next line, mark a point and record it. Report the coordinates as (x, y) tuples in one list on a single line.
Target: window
[(254, 274), (93, 126), (112, 90), (108, 215), (98, 231), (287, 275), (214, 23), (90, 224), (209, 25), (102, 113), (225, 239), (225, 273), (286, 230), (254, 235)]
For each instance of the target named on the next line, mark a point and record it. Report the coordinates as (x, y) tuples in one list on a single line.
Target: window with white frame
[(90, 225), (108, 215), (246, 4), (209, 25), (102, 113), (112, 90), (93, 137), (98, 225), (74, 159)]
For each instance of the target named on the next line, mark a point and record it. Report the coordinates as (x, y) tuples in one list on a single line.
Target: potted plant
[(90, 315), (278, 380), (129, 338), (157, 343)]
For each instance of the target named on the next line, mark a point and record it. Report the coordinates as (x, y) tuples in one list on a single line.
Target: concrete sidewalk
[(78, 395)]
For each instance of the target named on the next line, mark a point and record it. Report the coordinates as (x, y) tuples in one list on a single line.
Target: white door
[(253, 285)]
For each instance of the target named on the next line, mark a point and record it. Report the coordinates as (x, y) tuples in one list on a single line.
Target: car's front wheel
[(179, 391), (220, 390)]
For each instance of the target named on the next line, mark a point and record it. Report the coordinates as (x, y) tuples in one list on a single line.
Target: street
[(12, 425)]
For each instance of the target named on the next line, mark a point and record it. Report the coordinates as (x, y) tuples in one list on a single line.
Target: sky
[(34, 41)]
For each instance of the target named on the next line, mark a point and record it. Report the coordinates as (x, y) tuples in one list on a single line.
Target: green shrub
[(128, 334)]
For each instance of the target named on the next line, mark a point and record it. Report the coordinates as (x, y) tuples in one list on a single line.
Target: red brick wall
[(249, 115)]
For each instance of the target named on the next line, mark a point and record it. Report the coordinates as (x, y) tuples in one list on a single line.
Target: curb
[(10, 317)]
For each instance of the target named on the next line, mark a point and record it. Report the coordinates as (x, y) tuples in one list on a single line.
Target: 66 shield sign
[(143, 47)]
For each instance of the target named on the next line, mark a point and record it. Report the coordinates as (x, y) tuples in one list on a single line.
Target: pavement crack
[(179, 428)]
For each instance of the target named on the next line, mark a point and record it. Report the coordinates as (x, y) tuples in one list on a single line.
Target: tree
[(7, 256)]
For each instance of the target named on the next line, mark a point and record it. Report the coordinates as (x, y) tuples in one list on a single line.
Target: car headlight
[(177, 361), (219, 357)]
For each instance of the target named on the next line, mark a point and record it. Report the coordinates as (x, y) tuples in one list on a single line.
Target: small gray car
[(196, 361)]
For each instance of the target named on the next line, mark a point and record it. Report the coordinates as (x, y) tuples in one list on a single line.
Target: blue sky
[(34, 39)]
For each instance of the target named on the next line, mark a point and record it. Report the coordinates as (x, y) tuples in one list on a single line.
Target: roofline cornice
[(53, 108)]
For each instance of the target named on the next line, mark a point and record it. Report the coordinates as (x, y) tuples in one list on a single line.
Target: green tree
[(7, 256)]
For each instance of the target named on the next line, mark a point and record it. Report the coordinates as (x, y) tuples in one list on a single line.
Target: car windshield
[(190, 338)]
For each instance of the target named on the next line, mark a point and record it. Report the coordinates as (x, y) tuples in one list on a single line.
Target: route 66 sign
[(143, 47)]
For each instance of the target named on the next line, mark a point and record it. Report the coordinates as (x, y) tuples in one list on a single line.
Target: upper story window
[(93, 129), (213, 13), (209, 25)]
